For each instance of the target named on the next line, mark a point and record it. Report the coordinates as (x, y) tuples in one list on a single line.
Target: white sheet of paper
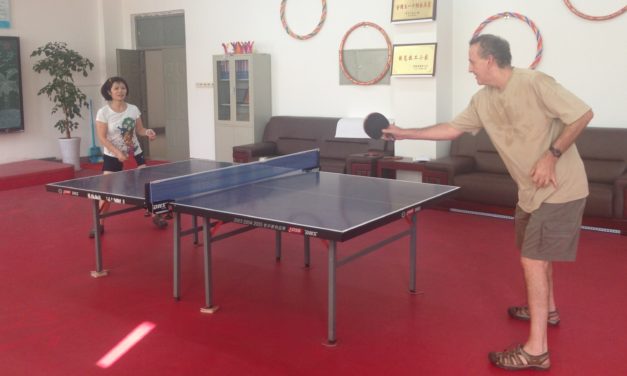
[(350, 128)]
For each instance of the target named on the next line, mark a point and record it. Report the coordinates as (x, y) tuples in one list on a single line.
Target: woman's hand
[(120, 156), (151, 134)]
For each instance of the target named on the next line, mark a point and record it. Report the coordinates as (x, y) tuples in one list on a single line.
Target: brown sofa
[(289, 134), (474, 165)]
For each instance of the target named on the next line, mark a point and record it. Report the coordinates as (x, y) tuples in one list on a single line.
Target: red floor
[(57, 320), (33, 172)]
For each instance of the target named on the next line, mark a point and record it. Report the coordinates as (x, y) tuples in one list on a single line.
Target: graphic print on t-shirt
[(126, 131)]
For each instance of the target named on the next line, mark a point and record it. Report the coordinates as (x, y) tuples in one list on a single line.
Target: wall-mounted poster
[(11, 112), (414, 59), (5, 14), (413, 10)]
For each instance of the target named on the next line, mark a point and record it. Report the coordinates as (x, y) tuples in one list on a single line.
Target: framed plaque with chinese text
[(414, 59), (413, 10)]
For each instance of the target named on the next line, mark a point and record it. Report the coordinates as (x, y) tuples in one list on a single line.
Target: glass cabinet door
[(242, 103), (224, 90)]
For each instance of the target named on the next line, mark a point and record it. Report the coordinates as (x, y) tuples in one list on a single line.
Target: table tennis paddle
[(374, 123), (130, 163)]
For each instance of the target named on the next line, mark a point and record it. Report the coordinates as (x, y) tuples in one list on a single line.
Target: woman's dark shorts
[(112, 164)]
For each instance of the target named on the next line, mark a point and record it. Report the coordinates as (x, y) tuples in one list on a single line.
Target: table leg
[(99, 272), (177, 255), (277, 245), (206, 237), (195, 227), (331, 339), (412, 254), (307, 251)]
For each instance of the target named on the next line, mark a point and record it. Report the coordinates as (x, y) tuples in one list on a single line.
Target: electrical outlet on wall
[(204, 85)]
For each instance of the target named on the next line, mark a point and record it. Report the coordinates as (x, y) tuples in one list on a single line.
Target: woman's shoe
[(159, 222)]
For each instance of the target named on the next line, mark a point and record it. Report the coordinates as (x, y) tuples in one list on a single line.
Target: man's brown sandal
[(522, 313), (518, 359)]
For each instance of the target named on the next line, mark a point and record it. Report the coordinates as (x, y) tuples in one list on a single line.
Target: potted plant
[(61, 63)]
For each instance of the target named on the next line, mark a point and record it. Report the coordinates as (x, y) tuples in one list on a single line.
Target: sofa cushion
[(599, 202), (604, 171), (288, 145), (333, 165), (316, 128), (487, 188), (602, 143), (489, 162), (341, 148)]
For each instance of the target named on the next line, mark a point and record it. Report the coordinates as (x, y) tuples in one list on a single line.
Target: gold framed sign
[(413, 10), (414, 59)]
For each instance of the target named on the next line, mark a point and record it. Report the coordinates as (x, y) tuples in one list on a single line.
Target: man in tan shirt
[(533, 123)]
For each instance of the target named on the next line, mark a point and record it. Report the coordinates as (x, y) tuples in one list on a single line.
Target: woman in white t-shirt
[(117, 125)]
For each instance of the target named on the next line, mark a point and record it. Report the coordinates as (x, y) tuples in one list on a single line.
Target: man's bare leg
[(538, 275)]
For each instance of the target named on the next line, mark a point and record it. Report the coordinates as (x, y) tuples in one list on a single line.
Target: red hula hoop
[(534, 28), (595, 18), (387, 64), (323, 17)]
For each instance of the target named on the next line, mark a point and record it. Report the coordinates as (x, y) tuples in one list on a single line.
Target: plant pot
[(71, 151)]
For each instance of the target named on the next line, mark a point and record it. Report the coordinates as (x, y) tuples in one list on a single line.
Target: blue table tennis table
[(289, 194), (125, 187)]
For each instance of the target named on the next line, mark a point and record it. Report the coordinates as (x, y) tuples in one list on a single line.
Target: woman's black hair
[(105, 90)]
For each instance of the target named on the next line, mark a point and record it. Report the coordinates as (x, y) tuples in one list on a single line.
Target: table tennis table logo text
[(95, 196), (68, 192), (276, 227), (300, 231), (250, 222), (160, 208)]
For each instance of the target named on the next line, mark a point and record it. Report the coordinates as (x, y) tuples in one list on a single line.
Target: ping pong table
[(290, 194), (125, 187)]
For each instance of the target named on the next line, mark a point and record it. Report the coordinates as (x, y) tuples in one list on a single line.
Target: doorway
[(157, 78)]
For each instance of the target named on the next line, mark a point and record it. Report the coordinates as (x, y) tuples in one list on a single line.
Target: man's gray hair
[(497, 47)]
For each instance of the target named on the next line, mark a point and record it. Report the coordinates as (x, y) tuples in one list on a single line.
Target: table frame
[(209, 229)]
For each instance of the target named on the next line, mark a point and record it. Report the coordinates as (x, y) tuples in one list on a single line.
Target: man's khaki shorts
[(551, 232)]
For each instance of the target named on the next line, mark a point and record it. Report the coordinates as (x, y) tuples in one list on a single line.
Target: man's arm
[(571, 132), (440, 131), (543, 172)]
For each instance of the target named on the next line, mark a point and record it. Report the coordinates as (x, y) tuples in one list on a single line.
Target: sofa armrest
[(620, 196), (252, 152), (451, 166)]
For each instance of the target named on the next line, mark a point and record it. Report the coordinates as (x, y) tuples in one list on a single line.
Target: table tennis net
[(162, 191)]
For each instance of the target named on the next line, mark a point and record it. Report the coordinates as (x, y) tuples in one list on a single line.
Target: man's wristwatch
[(555, 151)]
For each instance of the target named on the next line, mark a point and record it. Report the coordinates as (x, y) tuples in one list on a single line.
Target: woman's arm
[(141, 131)]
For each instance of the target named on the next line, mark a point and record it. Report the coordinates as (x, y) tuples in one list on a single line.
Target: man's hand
[(543, 172), (391, 133)]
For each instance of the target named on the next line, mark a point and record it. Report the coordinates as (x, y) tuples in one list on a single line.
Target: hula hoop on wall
[(323, 17), (534, 28), (594, 18), (387, 64)]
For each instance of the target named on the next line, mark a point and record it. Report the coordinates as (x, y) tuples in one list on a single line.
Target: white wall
[(37, 22), (305, 74), (587, 57)]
